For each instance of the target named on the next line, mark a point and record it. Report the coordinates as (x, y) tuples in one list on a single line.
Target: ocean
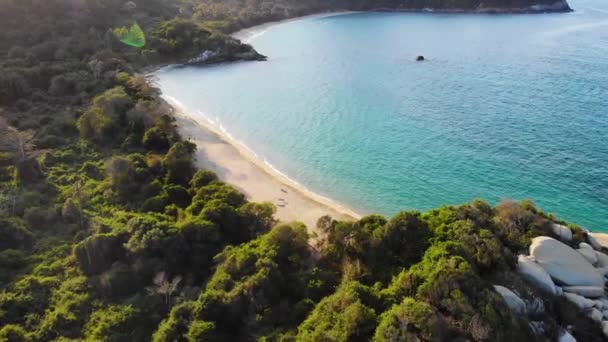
[(505, 106)]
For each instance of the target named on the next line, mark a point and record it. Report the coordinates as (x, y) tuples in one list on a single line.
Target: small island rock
[(563, 263), (419, 58)]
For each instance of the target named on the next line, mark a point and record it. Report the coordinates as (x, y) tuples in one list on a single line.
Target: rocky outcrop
[(582, 272), (564, 264), (214, 57)]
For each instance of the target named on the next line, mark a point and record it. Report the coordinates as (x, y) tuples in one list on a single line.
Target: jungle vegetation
[(108, 232)]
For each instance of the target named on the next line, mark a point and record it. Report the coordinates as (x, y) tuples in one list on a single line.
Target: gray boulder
[(563, 263), (595, 315), (565, 336), (513, 301), (580, 301), (599, 238), (593, 241), (586, 291), (588, 254), (602, 259), (605, 328), (564, 233), (535, 274)]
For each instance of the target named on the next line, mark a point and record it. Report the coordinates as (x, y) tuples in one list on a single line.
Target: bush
[(411, 320), (114, 323), (155, 139), (97, 253), (13, 333)]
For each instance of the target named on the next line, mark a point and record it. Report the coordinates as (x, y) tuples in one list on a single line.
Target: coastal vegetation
[(108, 232)]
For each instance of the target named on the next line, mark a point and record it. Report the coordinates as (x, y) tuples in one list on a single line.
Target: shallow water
[(506, 106)]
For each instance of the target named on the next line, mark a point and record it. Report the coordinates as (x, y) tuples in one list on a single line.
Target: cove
[(505, 106)]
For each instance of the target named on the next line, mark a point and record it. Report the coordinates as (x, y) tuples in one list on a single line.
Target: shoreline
[(237, 165), (246, 35)]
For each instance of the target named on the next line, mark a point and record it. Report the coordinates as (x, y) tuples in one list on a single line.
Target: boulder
[(565, 336), (536, 306), (586, 291), (580, 301), (513, 301), (588, 254), (602, 259), (600, 238), (605, 313), (593, 241), (535, 274), (605, 328), (599, 305), (603, 271), (419, 58), (564, 233), (595, 314), (563, 263)]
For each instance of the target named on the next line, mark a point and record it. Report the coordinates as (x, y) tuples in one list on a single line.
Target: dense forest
[(109, 233)]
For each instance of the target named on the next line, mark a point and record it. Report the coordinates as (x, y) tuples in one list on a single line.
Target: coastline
[(248, 34), (237, 165)]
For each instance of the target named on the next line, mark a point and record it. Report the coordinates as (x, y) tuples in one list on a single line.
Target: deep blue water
[(506, 106)]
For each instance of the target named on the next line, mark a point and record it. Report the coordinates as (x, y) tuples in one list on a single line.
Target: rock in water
[(563, 263), (535, 274), (419, 58), (564, 233), (513, 301)]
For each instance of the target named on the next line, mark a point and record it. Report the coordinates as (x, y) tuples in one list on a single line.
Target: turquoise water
[(508, 106)]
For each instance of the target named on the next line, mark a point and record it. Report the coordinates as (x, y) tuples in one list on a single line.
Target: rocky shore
[(561, 267)]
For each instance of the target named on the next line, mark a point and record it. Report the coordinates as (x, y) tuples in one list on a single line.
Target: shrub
[(97, 253)]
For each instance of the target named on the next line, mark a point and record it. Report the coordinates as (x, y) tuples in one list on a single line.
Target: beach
[(237, 166)]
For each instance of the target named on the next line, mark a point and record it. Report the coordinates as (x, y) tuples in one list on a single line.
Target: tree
[(163, 286), (178, 162), (19, 143)]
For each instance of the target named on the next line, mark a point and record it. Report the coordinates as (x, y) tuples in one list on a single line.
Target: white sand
[(236, 165)]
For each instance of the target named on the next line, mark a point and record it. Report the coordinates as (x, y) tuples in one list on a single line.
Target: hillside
[(109, 233)]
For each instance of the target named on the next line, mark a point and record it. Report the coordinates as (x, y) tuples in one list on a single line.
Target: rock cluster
[(578, 274)]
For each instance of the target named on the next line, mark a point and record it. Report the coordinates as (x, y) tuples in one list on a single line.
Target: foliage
[(108, 232)]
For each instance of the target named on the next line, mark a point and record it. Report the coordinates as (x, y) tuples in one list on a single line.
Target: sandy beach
[(235, 165), (238, 166)]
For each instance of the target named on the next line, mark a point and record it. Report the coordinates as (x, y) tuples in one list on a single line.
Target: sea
[(503, 107)]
